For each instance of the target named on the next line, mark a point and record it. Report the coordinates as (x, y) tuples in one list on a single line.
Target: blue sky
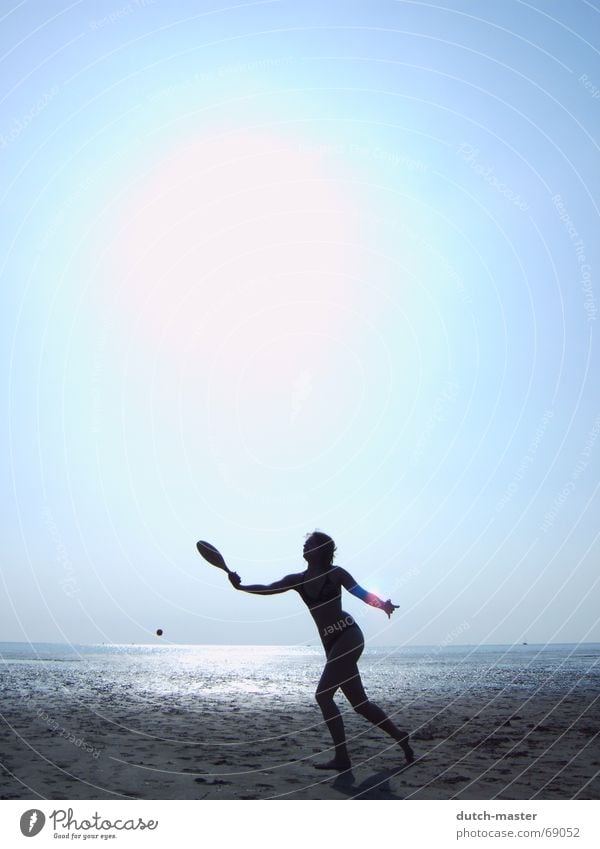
[(279, 266)]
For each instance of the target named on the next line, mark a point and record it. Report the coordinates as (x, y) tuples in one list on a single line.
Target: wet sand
[(512, 745)]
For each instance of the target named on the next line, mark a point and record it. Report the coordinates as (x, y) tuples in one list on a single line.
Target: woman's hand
[(234, 580), (389, 608)]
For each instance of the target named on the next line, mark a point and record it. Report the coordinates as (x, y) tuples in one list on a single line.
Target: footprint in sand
[(454, 779)]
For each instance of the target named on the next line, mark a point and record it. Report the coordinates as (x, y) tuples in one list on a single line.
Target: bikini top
[(328, 592)]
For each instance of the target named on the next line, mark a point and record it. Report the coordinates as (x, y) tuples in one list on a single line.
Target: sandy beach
[(508, 742)]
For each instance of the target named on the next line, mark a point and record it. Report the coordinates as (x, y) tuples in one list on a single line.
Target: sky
[(276, 266)]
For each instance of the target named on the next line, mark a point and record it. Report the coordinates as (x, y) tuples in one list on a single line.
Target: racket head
[(211, 554)]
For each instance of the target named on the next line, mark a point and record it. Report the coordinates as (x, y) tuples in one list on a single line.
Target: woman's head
[(319, 548)]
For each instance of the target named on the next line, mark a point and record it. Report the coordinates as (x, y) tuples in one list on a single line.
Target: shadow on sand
[(376, 786)]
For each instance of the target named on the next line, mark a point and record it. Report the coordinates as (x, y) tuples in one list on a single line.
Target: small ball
[(159, 632)]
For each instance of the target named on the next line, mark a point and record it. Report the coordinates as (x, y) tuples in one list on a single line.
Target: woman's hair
[(326, 546)]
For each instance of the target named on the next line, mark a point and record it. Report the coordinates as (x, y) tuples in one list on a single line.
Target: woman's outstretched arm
[(290, 582), (373, 600)]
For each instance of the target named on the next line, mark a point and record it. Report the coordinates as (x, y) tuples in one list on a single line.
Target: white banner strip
[(274, 824)]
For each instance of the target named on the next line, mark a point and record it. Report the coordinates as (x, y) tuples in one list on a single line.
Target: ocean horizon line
[(160, 643)]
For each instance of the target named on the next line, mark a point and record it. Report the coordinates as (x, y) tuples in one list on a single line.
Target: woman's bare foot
[(339, 764), (408, 752)]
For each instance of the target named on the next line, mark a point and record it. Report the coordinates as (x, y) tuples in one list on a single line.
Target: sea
[(189, 674)]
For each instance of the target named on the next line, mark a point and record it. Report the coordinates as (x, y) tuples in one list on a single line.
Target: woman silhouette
[(320, 587)]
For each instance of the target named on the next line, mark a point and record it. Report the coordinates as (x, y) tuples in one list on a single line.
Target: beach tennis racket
[(212, 555)]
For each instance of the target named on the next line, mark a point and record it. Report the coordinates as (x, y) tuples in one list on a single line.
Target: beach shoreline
[(72, 731)]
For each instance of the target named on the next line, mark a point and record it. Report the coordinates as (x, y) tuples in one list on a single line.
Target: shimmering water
[(192, 675)]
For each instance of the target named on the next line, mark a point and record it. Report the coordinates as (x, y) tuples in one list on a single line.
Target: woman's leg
[(354, 691), (340, 667)]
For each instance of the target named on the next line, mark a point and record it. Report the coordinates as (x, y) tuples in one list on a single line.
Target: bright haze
[(286, 266)]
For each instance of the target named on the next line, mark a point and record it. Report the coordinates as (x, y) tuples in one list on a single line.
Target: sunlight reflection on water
[(192, 675)]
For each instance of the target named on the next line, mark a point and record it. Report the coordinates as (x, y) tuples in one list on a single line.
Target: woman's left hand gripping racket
[(215, 558)]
